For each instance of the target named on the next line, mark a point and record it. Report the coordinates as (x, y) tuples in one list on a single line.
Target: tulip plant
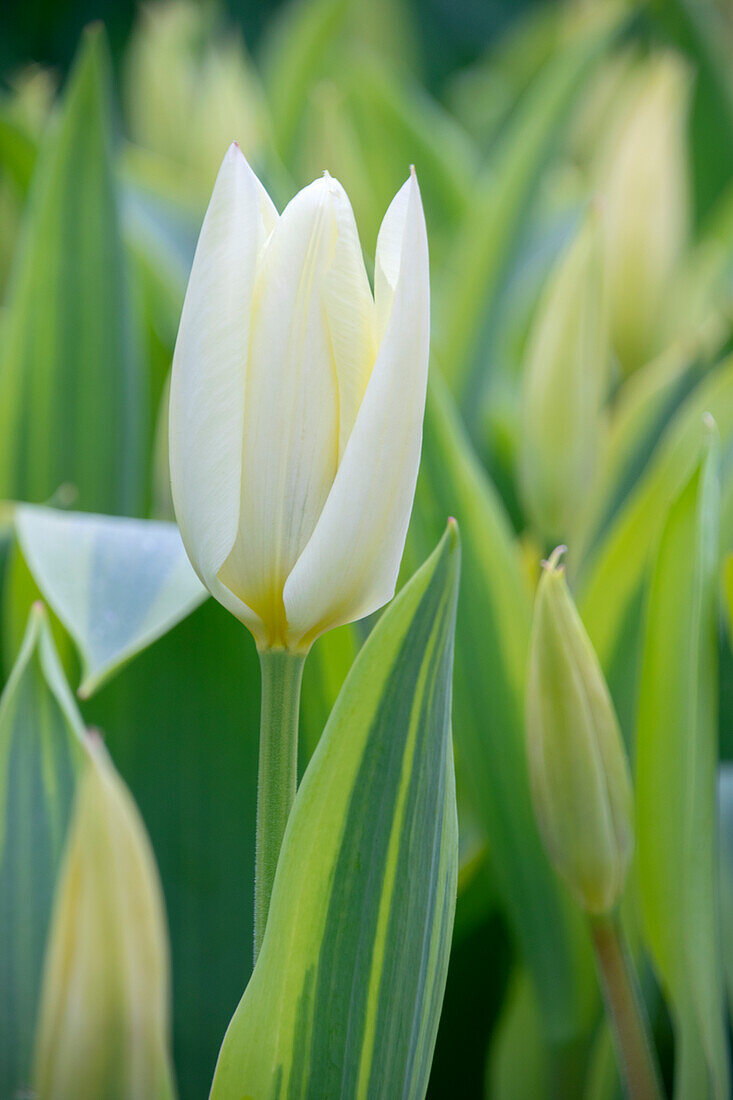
[(465, 781), (295, 424)]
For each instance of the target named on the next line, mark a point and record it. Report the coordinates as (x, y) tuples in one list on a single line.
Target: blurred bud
[(643, 177), (579, 774), (564, 386), (189, 91), (103, 1021)]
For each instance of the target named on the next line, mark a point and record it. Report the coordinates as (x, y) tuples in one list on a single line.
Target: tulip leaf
[(325, 671), (676, 753), (698, 29), (494, 220), (293, 56), (492, 644), (642, 410), (725, 867), (181, 723), (72, 403), (366, 881), (518, 1064), (40, 751), (612, 580), (116, 584)]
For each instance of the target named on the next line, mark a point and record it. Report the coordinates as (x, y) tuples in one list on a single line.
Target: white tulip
[(297, 403)]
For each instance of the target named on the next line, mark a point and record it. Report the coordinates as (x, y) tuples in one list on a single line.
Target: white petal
[(350, 313), (290, 443), (209, 366), (389, 255), (349, 567)]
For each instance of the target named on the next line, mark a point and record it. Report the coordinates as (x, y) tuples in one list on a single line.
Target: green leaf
[(494, 220), (325, 671), (72, 403), (676, 754), (700, 30), (725, 869), (492, 643), (641, 412), (518, 1065), (612, 581), (366, 882), (293, 57), (18, 151), (181, 723), (116, 584), (40, 751)]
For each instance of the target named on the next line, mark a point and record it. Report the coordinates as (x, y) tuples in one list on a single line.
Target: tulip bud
[(103, 1022), (297, 402), (564, 386), (643, 177), (579, 774)]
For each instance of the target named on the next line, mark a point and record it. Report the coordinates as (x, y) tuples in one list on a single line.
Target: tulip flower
[(104, 1011), (296, 404), (296, 411)]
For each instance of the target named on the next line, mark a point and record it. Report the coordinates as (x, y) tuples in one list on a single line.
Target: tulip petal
[(350, 564), (209, 367), (350, 313), (389, 255), (291, 413)]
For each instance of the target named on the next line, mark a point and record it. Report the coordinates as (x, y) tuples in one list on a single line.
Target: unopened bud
[(564, 386), (643, 178), (579, 773)]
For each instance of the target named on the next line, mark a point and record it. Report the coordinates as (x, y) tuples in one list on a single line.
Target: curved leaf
[(495, 218), (346, 994), (116, 584), (676, 753), (492, 644), (72, 403), (40, 751), (613, 580)]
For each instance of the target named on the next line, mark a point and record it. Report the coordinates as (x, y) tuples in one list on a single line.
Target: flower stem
[(282, 674), (625, 1010)]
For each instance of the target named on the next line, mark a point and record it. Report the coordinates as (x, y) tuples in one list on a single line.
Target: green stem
[(282, 674), (625, 1009)]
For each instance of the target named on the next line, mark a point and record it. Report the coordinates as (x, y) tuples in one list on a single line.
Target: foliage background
[(487, 99)]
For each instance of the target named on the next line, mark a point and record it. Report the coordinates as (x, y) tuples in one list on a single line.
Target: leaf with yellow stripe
[(346, 994), (676, 757), (492, 642), (40, 752)]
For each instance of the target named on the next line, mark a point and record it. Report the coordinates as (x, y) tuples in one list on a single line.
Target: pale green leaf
[(116, 584), (519, 1065), (492, 643), (485, 241), (72, 399), (611, 585), (40, 751), (347, 990), (725, 867), (294, 56), (676, 753)]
